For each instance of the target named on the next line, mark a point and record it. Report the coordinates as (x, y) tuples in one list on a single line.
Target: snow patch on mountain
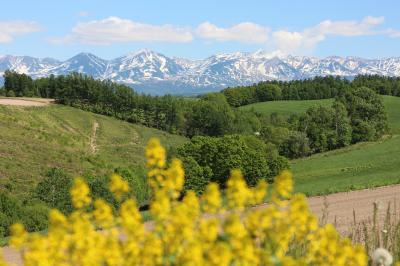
[(156, 73)]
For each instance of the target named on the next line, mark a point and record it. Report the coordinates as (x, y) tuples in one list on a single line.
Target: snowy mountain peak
[(152, 72)]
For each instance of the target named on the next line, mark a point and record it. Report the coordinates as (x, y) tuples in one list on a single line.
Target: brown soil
[(340, 206), (26, 101)]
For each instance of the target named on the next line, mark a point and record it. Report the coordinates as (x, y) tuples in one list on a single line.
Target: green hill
[(358, 166), (287, 108), (34, 139)]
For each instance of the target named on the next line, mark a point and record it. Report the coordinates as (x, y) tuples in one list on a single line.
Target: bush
[(295, 146), (136, 180), (196, 177), (54, 190), (35, 217), (5, 222), (10, 93), (99, 189), (225, 153)]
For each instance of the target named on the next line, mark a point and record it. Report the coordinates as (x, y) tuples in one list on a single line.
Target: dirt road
[(338, 207), (25, 101)]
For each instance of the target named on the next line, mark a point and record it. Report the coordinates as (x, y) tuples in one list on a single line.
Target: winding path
[(93, 146)]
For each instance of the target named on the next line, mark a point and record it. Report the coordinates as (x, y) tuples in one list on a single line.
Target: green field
[(355, 167), (359, 166), (34, 139), (285, 108)]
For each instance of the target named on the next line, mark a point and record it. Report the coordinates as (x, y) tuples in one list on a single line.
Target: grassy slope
[(359, 166), (33, 139)]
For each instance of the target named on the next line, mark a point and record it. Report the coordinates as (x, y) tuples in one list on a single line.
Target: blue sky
[(61, 29)]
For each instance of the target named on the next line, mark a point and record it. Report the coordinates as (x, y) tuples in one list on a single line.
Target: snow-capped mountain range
[(152, 72)]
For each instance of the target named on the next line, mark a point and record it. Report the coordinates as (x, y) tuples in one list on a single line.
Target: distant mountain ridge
[(152, 72)]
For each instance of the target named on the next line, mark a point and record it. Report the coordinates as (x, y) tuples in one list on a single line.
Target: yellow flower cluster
[(188, 230), (80, 194), (118, 186)]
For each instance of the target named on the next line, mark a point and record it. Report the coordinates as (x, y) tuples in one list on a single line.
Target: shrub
[(54, 190), (295, 146), (282, 233), (140, 190), (196, 177), (5, 222), (10, 93), (35, 217), (228, 152)]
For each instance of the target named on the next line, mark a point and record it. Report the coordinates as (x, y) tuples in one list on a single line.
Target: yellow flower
[(175, 176), (237, 192), (103, 214), (118, 186), (155, 154), (80, 194), (283, 185), (18, 235), (212, 198), (259, 192), (220, 254), (208, 229), (130, 219)]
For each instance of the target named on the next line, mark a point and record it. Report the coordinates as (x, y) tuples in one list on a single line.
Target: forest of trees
[(309, 89)]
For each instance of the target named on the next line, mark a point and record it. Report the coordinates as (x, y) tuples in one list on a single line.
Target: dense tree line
[(381, 84), (18, 85), (210, 115), (309, 89)]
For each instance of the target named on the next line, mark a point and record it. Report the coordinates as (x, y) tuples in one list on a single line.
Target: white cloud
[(245, 32), (393, 33), (306, 40), (347, 27), (289, 42), (117, 30), (10, 29)]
